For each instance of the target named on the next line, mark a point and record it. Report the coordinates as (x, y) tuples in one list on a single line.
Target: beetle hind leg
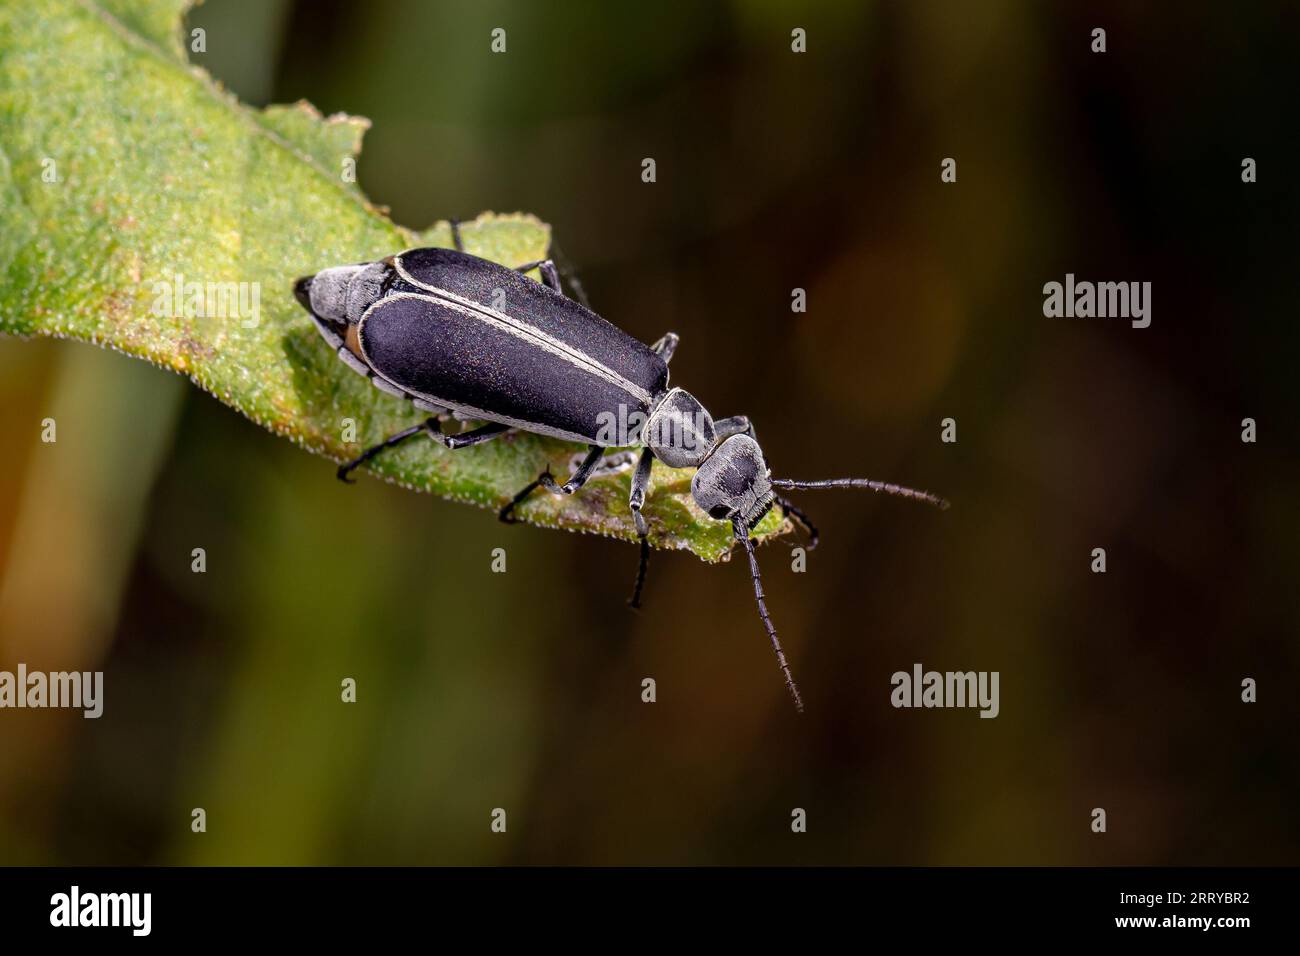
[(433, 428), (391, 441), (566, 269), (550, 275), (551, 272)]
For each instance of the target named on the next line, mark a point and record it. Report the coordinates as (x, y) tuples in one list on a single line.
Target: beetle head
[(342, 293), (680, 430), (734, 482)]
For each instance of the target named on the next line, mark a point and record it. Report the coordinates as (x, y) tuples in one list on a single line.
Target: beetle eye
[(719, 512)]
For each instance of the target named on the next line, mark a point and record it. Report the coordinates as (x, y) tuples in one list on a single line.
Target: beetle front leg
[(544, 480), (790, 510), (735, 425), (635, 501)]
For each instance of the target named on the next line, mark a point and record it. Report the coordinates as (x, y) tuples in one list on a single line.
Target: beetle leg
[(544, 480), (506, 514), (566, 269), (800, 518), (474, 436), (434, 428), (614, 464), (735, 425), (578, 478), (665, 347), (369, 453), (456, 242), (550, 275), (636, 499)]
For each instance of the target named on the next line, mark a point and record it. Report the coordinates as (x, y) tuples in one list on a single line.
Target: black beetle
[(462, 337)]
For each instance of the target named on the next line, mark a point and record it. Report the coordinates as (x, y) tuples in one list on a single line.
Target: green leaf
[(124, 170)]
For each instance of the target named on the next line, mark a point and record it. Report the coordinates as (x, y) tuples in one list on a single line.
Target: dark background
[(775, 170)]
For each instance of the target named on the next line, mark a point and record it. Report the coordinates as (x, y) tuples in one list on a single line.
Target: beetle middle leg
[(612, 464), (433, 428), (545, 480)]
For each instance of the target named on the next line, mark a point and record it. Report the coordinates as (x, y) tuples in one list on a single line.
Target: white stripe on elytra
[(461, 410), (526, 332)]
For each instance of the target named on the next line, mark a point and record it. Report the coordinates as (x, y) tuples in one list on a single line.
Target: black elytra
[(468, 339)]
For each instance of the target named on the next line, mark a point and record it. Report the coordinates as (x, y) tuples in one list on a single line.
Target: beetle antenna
[(742, 535), (881, 487)]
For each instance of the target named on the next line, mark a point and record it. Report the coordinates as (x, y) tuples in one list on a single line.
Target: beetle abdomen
[(496, 365), (512, 296)]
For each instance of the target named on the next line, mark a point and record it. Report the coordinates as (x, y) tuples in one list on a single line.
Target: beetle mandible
[(468, 339)]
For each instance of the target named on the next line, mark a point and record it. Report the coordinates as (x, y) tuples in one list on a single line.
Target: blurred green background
[(522, 691)]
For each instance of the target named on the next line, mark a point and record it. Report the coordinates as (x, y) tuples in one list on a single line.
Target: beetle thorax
[(679, 430)]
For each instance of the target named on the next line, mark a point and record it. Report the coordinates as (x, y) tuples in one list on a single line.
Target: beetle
[(464, 338)]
